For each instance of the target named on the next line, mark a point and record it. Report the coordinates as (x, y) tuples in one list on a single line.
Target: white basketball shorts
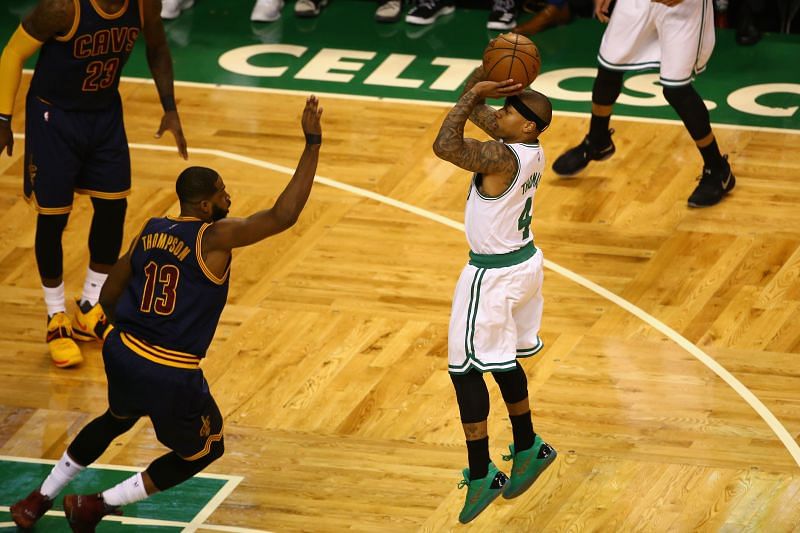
[(643, 35), (496, 316)]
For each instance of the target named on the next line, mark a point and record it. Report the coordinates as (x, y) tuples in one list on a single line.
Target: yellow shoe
[(63, 348), (90, 322)]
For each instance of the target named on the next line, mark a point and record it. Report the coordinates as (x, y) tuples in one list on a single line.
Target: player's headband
[(527, 112)]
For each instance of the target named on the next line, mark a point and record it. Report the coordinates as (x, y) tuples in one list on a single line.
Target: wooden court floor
[(330, 360)]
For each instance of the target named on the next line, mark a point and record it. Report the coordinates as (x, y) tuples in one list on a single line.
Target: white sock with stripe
[(54, 299), (129, 491), (92, 286), (65, 471)]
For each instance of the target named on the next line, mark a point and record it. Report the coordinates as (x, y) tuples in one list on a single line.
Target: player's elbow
[(442, 151)]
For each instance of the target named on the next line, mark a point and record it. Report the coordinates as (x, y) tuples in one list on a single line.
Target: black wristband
[(313, 138), (168, 103), (5, 118)]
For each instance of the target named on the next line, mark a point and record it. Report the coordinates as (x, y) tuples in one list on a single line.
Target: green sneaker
[(480, 492), (528, 465)]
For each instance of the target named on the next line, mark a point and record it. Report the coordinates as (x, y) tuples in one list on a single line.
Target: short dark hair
[(539, 103), (196, 184)]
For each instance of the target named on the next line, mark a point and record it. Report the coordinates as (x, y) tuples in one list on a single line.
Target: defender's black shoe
[(714, 184), (575, 159)]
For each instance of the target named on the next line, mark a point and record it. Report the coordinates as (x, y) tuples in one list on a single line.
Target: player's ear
[(529, 127)]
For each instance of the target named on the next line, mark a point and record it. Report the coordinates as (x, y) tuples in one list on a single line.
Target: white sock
[(54, 299), (92, 285), (65, 471), (129, 491)]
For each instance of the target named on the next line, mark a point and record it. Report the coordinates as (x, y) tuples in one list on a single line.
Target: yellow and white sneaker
[(90, 322), (63, 349)]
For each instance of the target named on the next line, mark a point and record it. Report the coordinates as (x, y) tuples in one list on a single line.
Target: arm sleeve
[(20, 47)]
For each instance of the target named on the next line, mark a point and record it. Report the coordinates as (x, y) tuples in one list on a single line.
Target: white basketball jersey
[(503, 224)]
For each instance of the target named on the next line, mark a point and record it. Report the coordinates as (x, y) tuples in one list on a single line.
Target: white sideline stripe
[(752, 400), (133, 521), (123, 468), (212, 504), (435, 103)]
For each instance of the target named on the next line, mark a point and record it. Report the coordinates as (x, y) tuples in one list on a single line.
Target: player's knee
[(105, 236), (513, 384), (217, 450), (472, 396), (49, 253), (607, 86)]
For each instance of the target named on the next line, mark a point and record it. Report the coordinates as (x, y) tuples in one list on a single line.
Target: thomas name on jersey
[(103, 42), (165, 241), (533, 181)]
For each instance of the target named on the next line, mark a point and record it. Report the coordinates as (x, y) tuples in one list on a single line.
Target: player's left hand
[(496, 89), (172, 122)]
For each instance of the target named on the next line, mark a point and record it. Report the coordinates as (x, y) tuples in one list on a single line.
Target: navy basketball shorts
[(177, 400), (74, 151)]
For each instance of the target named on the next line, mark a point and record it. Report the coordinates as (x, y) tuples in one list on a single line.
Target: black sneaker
[(714, 184), (427, 11), (503, 15), (575, 159)]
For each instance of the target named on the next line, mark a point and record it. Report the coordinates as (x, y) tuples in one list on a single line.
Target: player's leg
[(693, 23), (105, 243), (531, 455), (88, 445), (106, 178), (630, 42), (52, 144), (186, 420), (483, 480)]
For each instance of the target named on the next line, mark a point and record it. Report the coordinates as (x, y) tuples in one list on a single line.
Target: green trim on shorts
[(503, 260), (530, 352)]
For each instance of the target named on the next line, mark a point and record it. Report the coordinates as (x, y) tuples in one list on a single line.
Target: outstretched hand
[(311, 115), (496, 89), (172, 122)]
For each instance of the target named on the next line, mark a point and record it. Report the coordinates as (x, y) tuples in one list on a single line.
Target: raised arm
[(232, 233), (490, 157), (482, 115), (159, 60), (48, 18)]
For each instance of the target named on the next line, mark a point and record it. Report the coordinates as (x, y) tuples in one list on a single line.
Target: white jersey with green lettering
[(502, 224)]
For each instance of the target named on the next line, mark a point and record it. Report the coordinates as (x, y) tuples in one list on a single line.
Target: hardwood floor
[(330, 360)]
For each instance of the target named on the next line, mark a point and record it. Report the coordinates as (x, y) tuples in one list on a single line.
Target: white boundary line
[(231, 482), (435, 103), (133, 521), (752, 400)]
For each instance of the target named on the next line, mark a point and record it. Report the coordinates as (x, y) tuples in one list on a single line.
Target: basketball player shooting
[(497, 306)]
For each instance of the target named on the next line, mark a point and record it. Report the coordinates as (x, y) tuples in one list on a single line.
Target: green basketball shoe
[(480, 492), (528, 465)]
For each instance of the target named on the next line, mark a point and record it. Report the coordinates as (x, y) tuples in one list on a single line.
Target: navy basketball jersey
[(80, 71), (171, 306)]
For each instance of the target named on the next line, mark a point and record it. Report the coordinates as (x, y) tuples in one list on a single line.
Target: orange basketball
[(512, 56)]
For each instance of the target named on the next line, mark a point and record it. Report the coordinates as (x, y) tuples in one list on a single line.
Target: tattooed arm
[(491, 157), (482, 115)]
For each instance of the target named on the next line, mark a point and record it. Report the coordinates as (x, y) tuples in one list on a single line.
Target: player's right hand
[(311, 115), (497, 89), (601, 10), (6, 138)]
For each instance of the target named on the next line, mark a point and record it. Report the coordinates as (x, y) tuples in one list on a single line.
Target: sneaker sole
[(528, 484), (311, 14), (488, 502), (411, 19)]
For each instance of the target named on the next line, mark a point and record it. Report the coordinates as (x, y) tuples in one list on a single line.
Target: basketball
[(512, 56)]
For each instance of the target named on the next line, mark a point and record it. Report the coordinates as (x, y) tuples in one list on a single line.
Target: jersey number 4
[(524, 221), (166, 278)]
